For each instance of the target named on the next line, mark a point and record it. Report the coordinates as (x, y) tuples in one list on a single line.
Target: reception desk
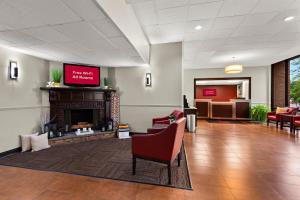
[(235, 109)]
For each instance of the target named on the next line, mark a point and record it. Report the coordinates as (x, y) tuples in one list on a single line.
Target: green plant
[(105, 82), (259, 113), (56, 75)]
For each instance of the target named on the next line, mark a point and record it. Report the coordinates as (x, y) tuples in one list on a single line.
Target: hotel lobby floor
[(226, 161)]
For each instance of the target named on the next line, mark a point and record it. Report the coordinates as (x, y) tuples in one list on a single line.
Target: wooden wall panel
[(279, 85)]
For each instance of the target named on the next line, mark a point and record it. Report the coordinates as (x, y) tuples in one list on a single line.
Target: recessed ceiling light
[(289, 18), (198, 27)]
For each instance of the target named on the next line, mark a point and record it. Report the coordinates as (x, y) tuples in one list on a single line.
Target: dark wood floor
[(226, 161)]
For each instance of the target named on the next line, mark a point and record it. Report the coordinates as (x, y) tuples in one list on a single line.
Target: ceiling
[(65, 30), (252, 31)]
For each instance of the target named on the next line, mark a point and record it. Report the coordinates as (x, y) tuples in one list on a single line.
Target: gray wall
[(260, 81), (139, 104), (21, 102)]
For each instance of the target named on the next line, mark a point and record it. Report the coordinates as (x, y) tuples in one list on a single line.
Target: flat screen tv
[(81, 75)]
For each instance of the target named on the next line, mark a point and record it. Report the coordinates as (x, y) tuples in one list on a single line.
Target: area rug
[(107, 158)]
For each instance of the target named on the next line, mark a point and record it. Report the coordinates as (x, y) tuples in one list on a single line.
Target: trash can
[(191, 123)]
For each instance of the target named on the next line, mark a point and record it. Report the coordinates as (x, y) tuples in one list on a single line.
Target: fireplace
[(81, 118), (87, 107)]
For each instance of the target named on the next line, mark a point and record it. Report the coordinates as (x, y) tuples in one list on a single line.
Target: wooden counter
[(235, 109)]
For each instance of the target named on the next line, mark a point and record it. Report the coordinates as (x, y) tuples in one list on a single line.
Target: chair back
[(178, 136), (178, 114), (292, 111)]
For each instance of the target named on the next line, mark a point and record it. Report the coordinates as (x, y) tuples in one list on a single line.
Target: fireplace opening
[(82, 118)]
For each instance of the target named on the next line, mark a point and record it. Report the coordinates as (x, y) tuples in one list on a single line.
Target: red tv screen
[(81, 75)]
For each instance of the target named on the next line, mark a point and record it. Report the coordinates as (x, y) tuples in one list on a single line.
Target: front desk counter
[(235, 109)]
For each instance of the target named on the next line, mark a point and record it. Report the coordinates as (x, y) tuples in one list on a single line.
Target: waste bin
[(191, 123)]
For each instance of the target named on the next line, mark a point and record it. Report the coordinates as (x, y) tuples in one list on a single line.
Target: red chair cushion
[(297, 122), (272, 117)]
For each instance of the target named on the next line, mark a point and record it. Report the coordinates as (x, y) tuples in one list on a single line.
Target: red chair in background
[(296, 124), (161, 147), (177, 114), (274, 117)]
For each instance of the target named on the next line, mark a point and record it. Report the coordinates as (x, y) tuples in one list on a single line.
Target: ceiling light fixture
[(198, 27), (233, 68), (290, 18)]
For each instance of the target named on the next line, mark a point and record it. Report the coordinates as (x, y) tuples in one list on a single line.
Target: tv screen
[(81, 75)]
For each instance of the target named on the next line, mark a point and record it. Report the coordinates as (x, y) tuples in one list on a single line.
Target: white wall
[(260, 81), (139, 104), (21, 101)]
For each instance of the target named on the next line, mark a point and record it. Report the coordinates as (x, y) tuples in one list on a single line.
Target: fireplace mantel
[(77, 88)]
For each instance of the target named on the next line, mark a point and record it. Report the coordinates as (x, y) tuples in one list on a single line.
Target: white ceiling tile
[(204, 11), (78, 31), (96, 44), (285, 36), (170, 15), (49, 12), (227, 22), (107, 27), (19, 38), (201, 1), (161, 34), (19, 19), (203, 56), (219, 33), (258, 19), (121, 43), (287, 13), (237, 7), (163, 4), (272, 5), (204, 23), (146, 13), (86, 9), (46, 34), (201, 35)]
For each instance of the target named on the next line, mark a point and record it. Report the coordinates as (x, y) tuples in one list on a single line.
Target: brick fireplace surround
[(102, 103)]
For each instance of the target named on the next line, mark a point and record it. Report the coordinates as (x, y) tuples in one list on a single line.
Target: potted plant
[(105, 83), (56, 77), (259, 113)]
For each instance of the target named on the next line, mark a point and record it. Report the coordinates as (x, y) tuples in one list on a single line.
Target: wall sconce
[(13, 70), (148, 80)]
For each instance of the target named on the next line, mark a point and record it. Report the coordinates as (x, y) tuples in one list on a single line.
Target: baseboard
[(5, 153)]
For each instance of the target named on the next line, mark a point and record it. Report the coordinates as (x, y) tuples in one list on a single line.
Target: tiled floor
[(226, 161)]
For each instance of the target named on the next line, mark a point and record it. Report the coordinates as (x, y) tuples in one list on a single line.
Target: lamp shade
[(233, 69)]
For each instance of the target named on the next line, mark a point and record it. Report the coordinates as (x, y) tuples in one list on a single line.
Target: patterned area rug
[(107, 158)]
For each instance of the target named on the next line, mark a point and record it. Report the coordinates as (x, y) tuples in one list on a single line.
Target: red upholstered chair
[(161, 147), (166, 120), (296, 123), (273, 117)]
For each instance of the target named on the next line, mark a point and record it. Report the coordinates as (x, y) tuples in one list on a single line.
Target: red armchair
[(296, 123), (273, 117), (166, 120), (161, 147)]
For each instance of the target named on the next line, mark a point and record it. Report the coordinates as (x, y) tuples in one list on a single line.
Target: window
[(294, 98)]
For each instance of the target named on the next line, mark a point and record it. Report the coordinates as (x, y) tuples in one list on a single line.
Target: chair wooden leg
[(133, 165), (179, 158), (169, 173), (268, 122), (276, 124)]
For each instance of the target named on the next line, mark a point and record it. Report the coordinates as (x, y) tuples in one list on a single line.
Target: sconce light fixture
[(148, 80), (13, 70)]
